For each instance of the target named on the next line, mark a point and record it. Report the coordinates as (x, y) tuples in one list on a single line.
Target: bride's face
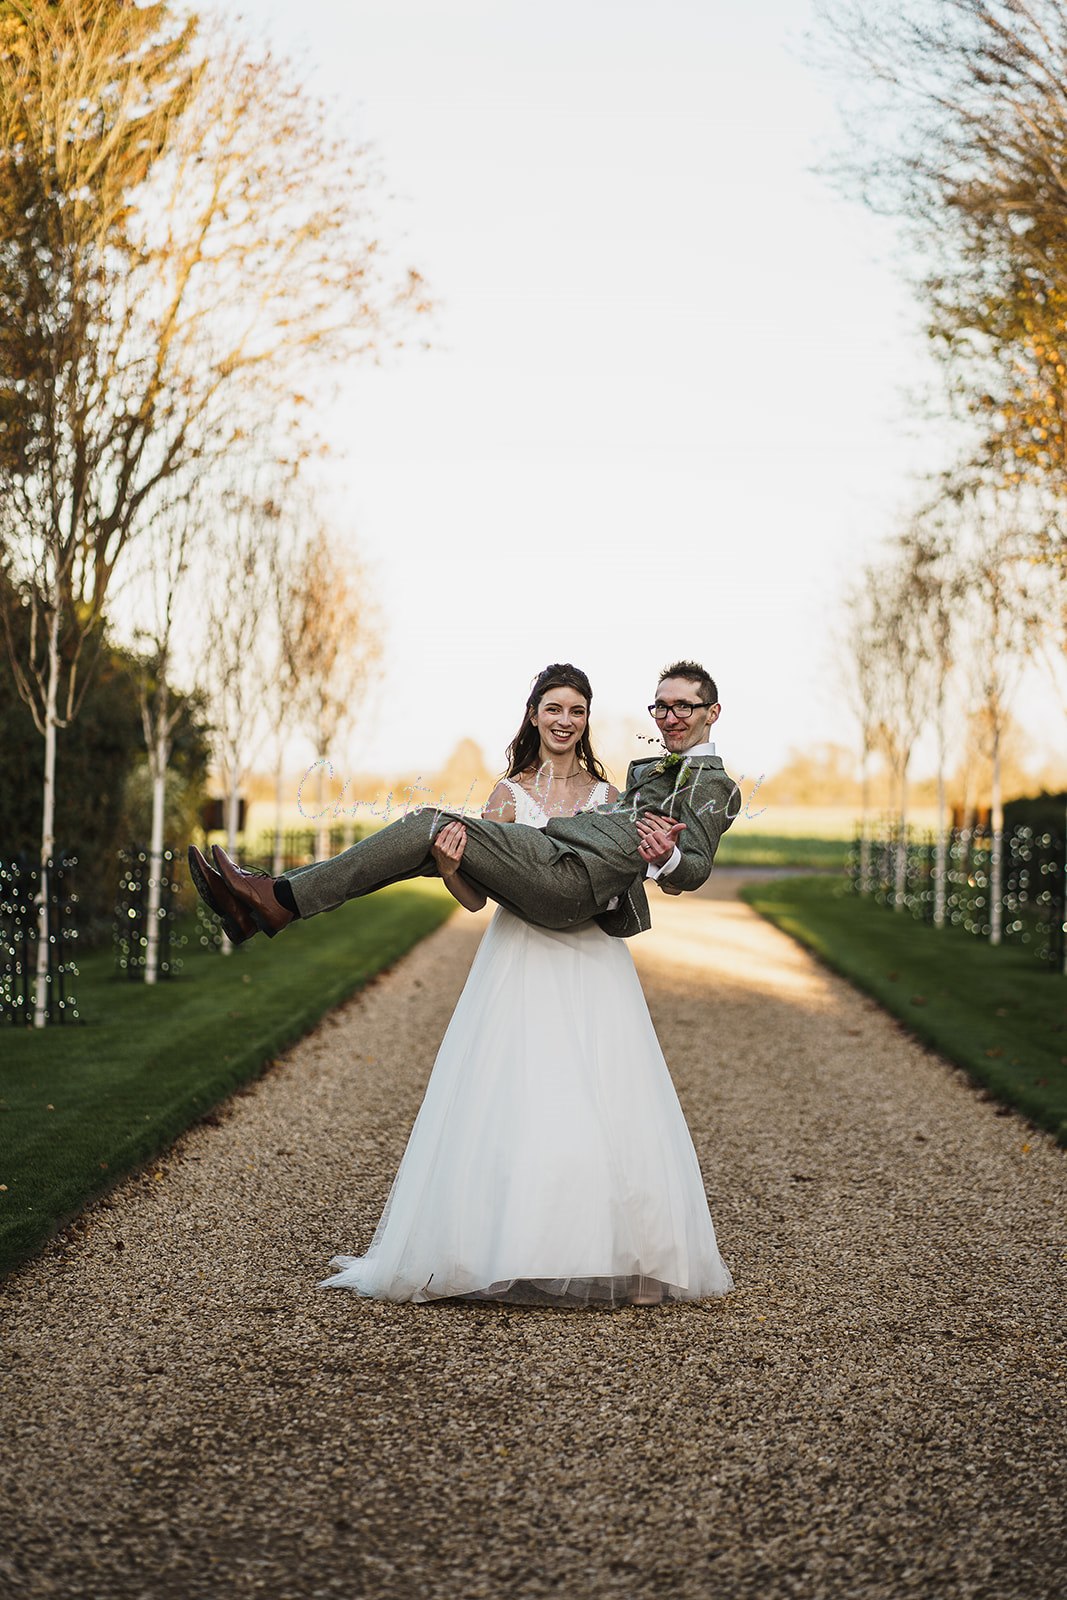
[(560, 719)]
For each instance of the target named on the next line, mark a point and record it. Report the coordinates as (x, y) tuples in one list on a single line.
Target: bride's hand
[(447, 849)]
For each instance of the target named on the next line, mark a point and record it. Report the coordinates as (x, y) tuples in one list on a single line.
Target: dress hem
[(594, 1292)]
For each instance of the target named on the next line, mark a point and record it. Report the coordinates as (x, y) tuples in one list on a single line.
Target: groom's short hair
[(694, 673)]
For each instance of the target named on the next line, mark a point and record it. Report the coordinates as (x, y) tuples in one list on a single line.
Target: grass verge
[(998, 1013), (83, 1104)]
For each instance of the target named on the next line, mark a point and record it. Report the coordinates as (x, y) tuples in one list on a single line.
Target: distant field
[(781, 850), (796, 836), (811, 822)]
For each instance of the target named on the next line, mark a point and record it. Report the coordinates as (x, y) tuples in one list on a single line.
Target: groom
[(666, 824)]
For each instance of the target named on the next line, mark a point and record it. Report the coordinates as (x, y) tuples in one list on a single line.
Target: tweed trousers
[(537, 876)]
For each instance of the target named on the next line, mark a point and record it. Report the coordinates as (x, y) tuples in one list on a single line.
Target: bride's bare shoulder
[(500, 806)]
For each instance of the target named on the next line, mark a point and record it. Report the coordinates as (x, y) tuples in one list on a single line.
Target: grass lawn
[(83, 1104), (999, 1013), (750, 847)]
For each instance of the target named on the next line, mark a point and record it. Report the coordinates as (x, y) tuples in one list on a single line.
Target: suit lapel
[(638, 772)]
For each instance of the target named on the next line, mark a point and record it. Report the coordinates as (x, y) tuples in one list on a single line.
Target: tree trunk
[(865, 830), (996, 862), (322, 835), (158, 760), (233, 817), (48, 824), (940, 856), (970, 798), (155, 859), (941, 852), (900, 886), (278, 861)]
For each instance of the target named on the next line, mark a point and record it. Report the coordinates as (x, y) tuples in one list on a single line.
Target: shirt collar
[(705, 749)]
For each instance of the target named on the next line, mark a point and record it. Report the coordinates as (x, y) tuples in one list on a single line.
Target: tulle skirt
[(550, 1162)]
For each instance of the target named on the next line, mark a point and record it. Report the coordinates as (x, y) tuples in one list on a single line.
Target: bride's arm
[(500, 806), (447, 850)]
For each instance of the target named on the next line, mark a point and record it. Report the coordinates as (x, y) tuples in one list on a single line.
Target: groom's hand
[(659, 835)]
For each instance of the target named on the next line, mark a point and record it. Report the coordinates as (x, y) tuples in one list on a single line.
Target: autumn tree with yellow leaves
[(183, 246), (957, 114)]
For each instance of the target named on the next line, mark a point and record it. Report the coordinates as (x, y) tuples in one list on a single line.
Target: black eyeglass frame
[(684, 709)]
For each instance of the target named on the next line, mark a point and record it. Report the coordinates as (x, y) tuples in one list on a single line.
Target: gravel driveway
[(875, 1411)]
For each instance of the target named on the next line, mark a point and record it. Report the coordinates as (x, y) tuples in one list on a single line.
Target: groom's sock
[(284, 896)]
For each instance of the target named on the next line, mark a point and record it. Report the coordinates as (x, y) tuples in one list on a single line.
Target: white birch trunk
[(941, 853), (901, 879), (155, 860), (278, 861), (865, 831), (48, 824), (996, 861), (233, 817), (1064, 925), (969, 800), (322, 833)]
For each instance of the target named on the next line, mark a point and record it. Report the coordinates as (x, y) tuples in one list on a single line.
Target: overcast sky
[(665, 413)]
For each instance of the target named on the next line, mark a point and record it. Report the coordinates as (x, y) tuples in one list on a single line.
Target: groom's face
[(676, 730)]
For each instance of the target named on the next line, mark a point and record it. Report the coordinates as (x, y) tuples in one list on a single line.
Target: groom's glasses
[(681, 708)]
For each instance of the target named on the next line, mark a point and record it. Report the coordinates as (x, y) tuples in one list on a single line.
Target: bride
[(550, 1162)]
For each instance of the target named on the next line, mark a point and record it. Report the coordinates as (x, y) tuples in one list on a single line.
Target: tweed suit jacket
[(707, 801)]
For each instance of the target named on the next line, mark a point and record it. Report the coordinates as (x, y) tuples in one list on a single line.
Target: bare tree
[(336, 632), (903, 654), (181, 247), (1005, 622), (861, 679), (238, 653), (292, 624), (326, 637), (938, 589), (163, 588)]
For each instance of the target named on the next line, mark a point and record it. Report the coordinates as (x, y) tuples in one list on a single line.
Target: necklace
[(579, 772), (536, 792)]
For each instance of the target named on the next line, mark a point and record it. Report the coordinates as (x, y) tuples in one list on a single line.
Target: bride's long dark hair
[(525, 748)]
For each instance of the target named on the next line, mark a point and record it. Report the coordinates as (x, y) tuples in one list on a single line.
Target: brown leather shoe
[(255, 891), (210, 885)]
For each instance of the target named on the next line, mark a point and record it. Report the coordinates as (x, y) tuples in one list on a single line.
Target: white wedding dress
[(550, 1162)]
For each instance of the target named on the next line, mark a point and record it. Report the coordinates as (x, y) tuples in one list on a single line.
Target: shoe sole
[(233, 932)]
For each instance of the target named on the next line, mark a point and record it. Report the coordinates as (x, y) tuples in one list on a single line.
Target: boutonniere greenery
[(667, 764)]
